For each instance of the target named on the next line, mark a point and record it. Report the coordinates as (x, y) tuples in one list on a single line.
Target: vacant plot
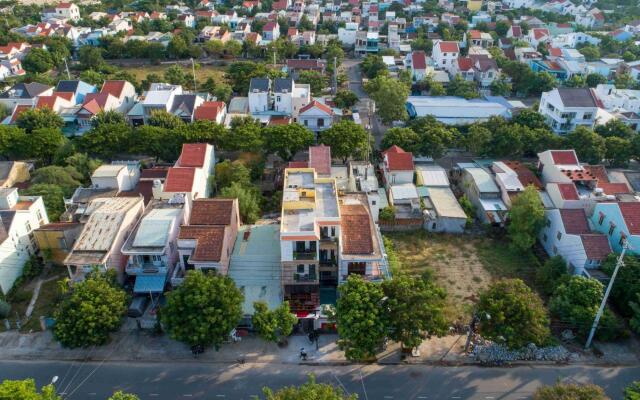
[(203, 72), (464, 265)]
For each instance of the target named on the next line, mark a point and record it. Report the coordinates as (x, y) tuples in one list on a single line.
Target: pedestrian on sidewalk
[(303, 354)]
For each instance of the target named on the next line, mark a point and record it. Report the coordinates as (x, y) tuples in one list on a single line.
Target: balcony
[(305, 255), (146, 268), (302, 278)]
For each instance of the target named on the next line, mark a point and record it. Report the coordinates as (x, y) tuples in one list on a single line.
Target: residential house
[(566, 108), (184, 106), (480, 39), (537, 36), (19, 216), (107, 223), (270, 32), (444, 54), (418, 65), (619, 222), (347, 34), (515, 32), (24, 94), (151, 247), (443, 212), (296, 66), (367, 42), (189, 177), (123, 91), (206, 241), (79, 89), (551, 67), (480, 188), (614, 99), (215, 111), (57, 239), (397, 166), (64, 11), (316, 116), (123, 176), (282, 97), (512, 177), (159, 97)]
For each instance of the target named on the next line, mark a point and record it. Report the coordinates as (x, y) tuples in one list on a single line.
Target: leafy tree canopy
[(26, 390), (271, 325), (570, 391), (346, 139), (390, 96), (286, 140), (308, 391), (526, 218)]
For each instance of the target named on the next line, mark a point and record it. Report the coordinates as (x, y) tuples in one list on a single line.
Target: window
[(27, 226), (588, 115), (559, 235), (373, 202), (555, 250), (612, 227), (623, 238), (444, 62), (306, 122), (444, 54), (320, 122), (277, 98), (300, 269), (601, 219), (548, 222), (39, 215), (333, 231), (544, 237)]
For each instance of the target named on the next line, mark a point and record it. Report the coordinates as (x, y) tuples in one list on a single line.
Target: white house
[(19, 216), (614, 99), (567, 234), (123, 176), (347, 35), (316, 116), (397, 166), (480, 188), (418, 64), (189, 177), (566, 108), (445, 53), (66, 11)]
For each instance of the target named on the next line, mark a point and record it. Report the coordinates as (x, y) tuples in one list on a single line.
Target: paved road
[(173, 381), (364, 105)]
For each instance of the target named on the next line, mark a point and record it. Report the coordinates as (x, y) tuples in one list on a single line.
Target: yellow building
[(56, 240), (474, 5)]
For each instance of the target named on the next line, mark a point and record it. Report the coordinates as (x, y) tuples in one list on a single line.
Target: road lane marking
[(388, 397), (221, 395), (187, 395), (154, 394)]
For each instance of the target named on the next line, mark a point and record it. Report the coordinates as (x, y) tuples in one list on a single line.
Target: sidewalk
[(143, 346)]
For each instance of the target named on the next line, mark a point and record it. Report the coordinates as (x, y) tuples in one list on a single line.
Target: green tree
[(315, 79), (531, 119), (501, 87), (120, 395), (228, 172), (38, 118), (203, 309), (511, 312), (435, 137), (38, 61), (176, 75), (590, 53), (462, 88), (594, 80), (345, 98), (415, 309), (576, 81), (632, 392), (273, 325), (551, 274), (90, 311), (68, 178), (92, 77), (53, 197), (164, 119), (249, 200), (90, 57), (615, 127), (108, 117), (618, 151), (177, 47), (214, 47), (308, 391), (589, 146), (478, 140), (576, 303), (624, 81), (361, 318), (106, 141), (526, 218), (404, 138), (437, 89), (570, 391), (26, 390), (627, 285), (245, 135), (502, 27), (233, 48), (372, 66), (286, 140), (544, 82), (634, 322), (390, 96), (346, 139)]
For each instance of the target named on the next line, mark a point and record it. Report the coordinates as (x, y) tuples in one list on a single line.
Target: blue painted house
[(79, 89), (619, 222), (621, 35), (549, 66)]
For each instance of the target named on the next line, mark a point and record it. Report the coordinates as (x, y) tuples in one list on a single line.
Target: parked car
[(138, 306)]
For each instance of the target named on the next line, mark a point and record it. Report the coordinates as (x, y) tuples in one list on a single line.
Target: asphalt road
[(355, 84), (372, 382)]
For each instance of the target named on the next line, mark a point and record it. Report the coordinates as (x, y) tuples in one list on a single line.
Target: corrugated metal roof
[(445, 203), (154, 228), (483, 180), (433, 175), (404, 191)]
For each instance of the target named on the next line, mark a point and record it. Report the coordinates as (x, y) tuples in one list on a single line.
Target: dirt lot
[(462, 264)]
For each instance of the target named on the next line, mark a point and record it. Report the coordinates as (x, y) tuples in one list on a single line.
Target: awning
[(150, 283)]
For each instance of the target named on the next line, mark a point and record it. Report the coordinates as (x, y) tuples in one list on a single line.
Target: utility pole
[(274, 59), (66, 66), (335, 75), (193, 69), (619, 263)]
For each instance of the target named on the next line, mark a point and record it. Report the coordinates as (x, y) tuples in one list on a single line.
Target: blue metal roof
[(150, 283)]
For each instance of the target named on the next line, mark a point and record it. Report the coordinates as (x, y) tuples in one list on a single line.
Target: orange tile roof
[(179, 179), (209, 241), (212, 212), (356, 229), (321, 106), (114, 88), (208, 110), (193, 155)]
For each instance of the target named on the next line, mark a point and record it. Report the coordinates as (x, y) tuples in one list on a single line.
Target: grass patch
[(463, 265), (45, 305), (202, 74)]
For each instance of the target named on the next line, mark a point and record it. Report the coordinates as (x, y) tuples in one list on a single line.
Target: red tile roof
[(64, 95), (598, 171), (355, 229), (516, 31), (596, 246), (114, 88), (269, 26), (631, 214), (209, 241), (317, 104), (298, 164), (92, 106), (539, 33), (192, 155), (20, 108), (475, 34), (398, 161), (525, 175), (568, 191), (614, 188), (575, 221), (179, 179), (393, 149), (449, 47), (209, 110), (555, 51), (279, 120), (212, 212), (320, 159), (154, 173), (46, 101), (465, 63), (419, 60), (564, 157)]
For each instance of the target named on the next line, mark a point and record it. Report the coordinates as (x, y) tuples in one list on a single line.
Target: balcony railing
[(146, 268), (304, 255), (305, 277)]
